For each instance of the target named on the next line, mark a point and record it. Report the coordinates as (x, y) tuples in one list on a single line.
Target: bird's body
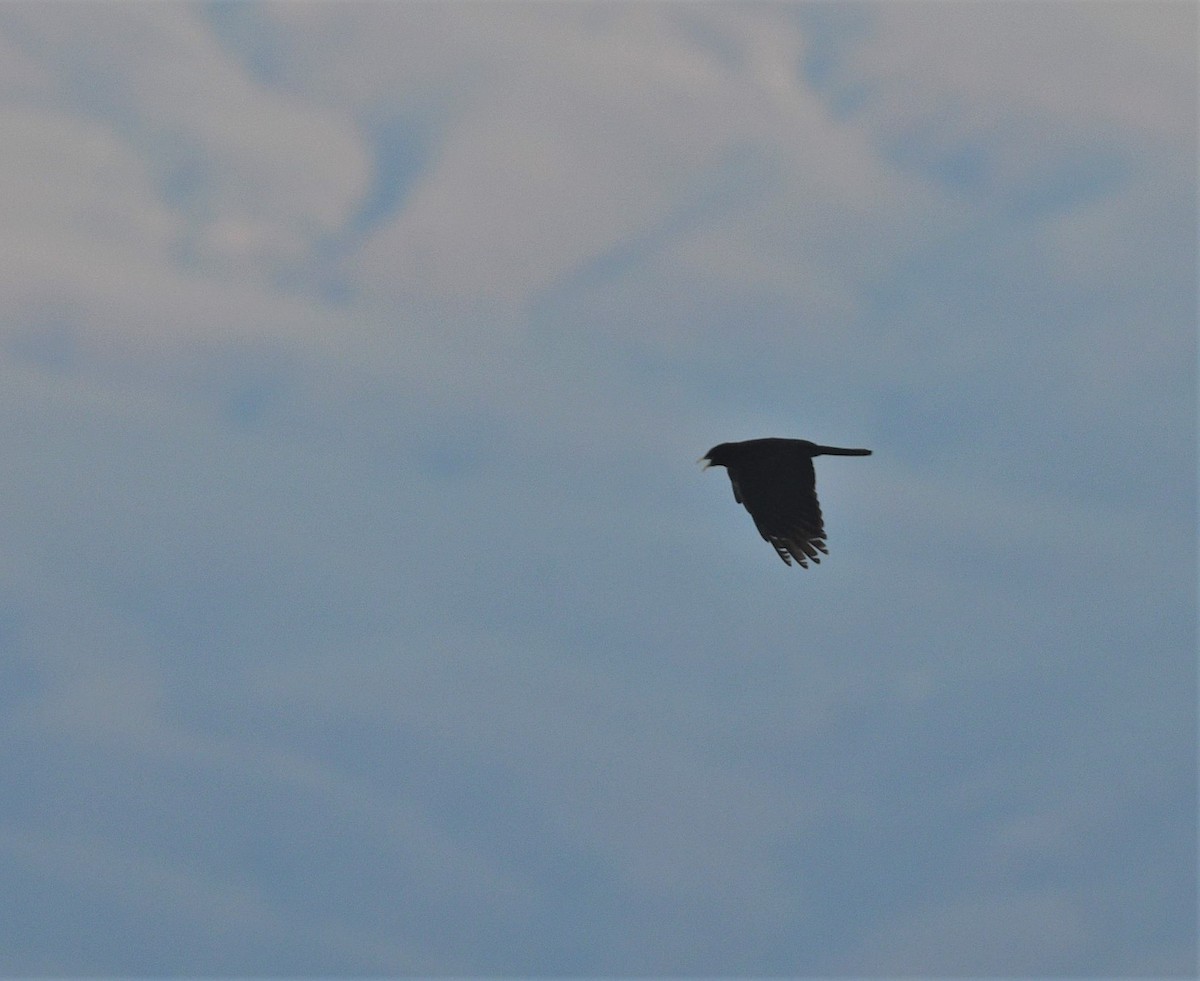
[(775, 481)]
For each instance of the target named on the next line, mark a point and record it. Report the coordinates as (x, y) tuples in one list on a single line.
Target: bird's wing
[(780, 494)]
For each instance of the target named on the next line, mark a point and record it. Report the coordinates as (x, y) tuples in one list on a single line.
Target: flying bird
[(775, 481)]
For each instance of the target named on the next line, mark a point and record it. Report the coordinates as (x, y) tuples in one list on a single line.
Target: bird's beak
[(705, 462)]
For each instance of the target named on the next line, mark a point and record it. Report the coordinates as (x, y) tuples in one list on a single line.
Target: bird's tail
[(839, 451)]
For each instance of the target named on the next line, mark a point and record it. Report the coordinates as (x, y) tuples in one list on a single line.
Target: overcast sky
[(363, 610)]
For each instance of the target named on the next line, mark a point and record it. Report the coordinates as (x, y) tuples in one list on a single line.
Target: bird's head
[(718, 456)]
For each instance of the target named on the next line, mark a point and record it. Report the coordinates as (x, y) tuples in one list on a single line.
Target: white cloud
[(158, 127), (75, 178), (1024, 86), (1121, 65), (564, 133), (1019, 935)]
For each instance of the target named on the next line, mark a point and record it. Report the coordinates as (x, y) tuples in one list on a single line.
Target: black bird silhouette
[(775, 481)]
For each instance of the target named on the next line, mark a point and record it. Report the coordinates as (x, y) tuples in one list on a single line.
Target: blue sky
[(363, 610)]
